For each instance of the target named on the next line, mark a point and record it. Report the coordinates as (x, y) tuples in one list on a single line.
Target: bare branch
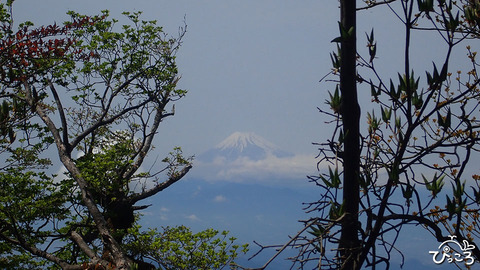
[(147, 144), (81, 243), (61, 113), (173, 179), (103, 122), (374, 4)]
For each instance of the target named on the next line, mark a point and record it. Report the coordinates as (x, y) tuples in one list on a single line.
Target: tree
[(181, 249), (98, 97), (419, 133)]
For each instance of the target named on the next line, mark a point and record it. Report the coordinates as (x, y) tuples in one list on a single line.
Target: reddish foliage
[(29, 50)]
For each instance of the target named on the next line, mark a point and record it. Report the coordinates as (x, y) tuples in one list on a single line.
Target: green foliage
[(141, 50), (407, 192), (122, 81), (344, 33), (103, 169), (28, 200), (472, 14), (425, 6), (372, 46), (336, 210), (179, 248), (176, 159), (436, 185), (386, 114), (333, 180), (335, 57), (335, 101), (444, 121)]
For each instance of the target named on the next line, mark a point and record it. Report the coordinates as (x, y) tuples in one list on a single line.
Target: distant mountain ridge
[(243, 145)]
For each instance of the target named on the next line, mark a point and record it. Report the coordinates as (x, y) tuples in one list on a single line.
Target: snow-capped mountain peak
[(240, 141), (243, 145)]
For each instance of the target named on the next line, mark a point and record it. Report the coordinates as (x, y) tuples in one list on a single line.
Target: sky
[(249, 66)]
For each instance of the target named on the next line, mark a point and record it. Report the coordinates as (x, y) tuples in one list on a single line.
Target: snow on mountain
[(243, 145), (241, 140), (247, 157)]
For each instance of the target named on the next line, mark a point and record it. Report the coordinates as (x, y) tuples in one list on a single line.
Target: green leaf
[(335, 61), (373, 122), (394, 175), (407, 191), (180, 248), (398, 123), (394, 93), (425, 6), (375, 93), (451, 208), (435, 186), (476, 195), (337, 40), (372, 46), (417, 100), (386, 114), (445, 122), (334, 178), (344, 33), (458, 189), (318, 231), (336, 210), (335, 101)]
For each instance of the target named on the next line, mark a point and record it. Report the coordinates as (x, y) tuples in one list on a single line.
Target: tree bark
[(349, 245), (120, 259)]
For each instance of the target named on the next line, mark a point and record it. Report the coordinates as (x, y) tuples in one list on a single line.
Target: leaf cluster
[(179, 248), (91, 89)]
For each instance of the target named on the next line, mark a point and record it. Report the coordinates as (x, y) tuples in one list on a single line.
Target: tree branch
[(102, 122), (147, 143), (376, 4), (62, 115), (421, 220), (82, 245), (100, 222), (38, 252), (173, 179)]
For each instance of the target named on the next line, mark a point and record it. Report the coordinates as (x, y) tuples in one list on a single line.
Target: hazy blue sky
[(249, 65)]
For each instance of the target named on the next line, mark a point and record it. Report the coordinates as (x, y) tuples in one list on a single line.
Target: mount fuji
[(243, 145), (247, 157)]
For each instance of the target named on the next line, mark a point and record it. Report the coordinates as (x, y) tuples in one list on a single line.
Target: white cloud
[(259, 217), (244, 169), (197, 191), (219, 198), (192, 217), (163, 217), (161, 213)]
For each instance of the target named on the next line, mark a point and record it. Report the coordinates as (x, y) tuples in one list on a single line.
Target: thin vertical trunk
[(349, 242)]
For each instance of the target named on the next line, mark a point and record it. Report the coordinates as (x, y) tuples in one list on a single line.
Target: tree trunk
[(349, 245), (110, 244)]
